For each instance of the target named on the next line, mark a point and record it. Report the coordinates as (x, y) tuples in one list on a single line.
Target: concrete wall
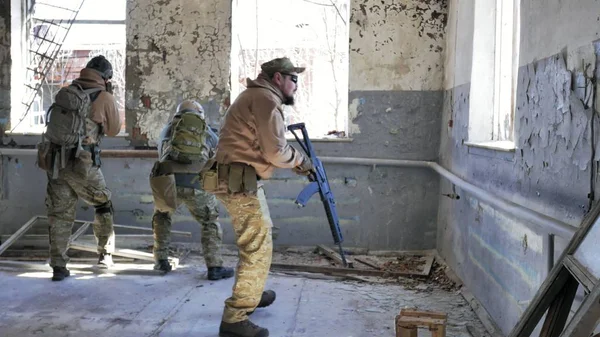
[(501, 258), (396, 71), (177, 50), (5, 65)]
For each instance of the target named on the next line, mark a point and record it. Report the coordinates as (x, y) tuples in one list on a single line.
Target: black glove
[(305, 168)]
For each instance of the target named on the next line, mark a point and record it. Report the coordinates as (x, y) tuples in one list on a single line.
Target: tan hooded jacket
[(104, 108), (253, 131)]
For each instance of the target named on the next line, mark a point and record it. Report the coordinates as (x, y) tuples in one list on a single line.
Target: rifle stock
[(319, 183)]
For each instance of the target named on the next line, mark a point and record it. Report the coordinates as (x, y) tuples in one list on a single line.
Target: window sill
[(496, 145)]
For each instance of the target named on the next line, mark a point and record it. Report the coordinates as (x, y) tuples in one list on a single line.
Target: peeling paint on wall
[(554, 126), (354, 111), (550, 172), (397, 45), (175, 50)]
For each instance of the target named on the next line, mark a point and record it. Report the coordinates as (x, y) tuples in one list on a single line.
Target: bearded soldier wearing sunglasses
[(251, 146)]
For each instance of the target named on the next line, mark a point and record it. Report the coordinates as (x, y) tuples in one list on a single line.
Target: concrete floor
[(184, 303)]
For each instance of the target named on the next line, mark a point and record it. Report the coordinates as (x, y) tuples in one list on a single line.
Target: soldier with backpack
[(186, 148), (81, 114)]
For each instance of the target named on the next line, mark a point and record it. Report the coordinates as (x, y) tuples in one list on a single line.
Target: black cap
[(102, 65)]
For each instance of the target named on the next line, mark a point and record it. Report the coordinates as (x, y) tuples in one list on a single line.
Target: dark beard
[(288, 100)]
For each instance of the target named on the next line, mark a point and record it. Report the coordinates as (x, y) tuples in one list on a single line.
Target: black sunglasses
[(294, 78)]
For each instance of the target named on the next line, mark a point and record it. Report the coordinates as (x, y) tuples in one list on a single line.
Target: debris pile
[(405, 264)]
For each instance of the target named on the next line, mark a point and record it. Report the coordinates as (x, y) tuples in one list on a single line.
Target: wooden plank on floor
[(335, 256), (368, 262), (401, 253), (71, 259), (428, 265), (130, 253), (121, 269), (336, 270)]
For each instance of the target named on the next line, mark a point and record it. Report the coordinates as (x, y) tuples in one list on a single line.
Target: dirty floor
[(184, 303)]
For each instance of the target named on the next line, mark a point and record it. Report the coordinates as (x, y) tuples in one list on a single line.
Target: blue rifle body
[(319, 184)]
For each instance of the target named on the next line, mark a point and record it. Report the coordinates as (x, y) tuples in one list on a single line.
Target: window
[(313, 34), (494, 73), (37, 113), (60, 37)]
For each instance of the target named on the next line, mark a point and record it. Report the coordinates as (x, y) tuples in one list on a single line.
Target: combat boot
[(218, 273), (242, 329), (266, 299), (163, 265), (59, 273), (105, 261)]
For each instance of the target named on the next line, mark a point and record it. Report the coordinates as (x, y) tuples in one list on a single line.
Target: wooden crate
[(409, 321)]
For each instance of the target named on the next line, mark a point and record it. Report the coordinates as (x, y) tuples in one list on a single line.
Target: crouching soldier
[(186, 144)]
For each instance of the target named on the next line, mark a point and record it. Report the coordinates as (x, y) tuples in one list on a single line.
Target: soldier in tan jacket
[(81, 177), (251, 145)]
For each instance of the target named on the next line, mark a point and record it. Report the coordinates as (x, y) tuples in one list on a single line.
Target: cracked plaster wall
[(397, 45), (5, 65), (501, 259), (175, 50)]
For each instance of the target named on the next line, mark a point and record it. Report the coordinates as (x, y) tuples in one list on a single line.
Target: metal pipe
[(552, 226), (545, 222), (375, 161), (8, 151), (550, 253), (129, 153), (11, 151)]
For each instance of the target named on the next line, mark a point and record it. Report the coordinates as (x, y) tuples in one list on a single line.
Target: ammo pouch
[(95, 151), (44, 156), (238, 177), (163, 186), (51, 157), (210, 180)]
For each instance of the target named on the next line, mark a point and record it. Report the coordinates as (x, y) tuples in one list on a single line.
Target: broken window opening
[(315, 37), (58, 38)]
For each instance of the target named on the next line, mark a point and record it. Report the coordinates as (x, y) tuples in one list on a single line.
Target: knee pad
[(161, 215), (104, 208)]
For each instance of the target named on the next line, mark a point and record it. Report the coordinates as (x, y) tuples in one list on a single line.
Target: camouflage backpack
[(66, 118), (187, 141)]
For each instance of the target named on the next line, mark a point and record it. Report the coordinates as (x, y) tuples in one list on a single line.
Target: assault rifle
[(319, 184)]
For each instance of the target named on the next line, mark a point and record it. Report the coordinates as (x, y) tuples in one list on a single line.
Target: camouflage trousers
[(252, 226), (203, 207), (79, 179)]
